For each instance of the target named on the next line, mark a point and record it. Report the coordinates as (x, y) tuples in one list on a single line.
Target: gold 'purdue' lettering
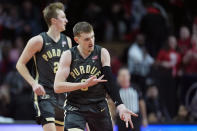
[(76, 72), (45, 57), (93, 70), (58, 52), (49, 54), (88, 68), (53, 52), (73, 75), (98, 73), (82, 70)]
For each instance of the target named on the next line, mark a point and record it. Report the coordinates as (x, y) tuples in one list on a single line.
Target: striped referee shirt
[(130, 97)]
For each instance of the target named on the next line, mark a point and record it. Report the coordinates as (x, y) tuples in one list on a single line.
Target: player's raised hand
[(38, 89), (125, 115), (93, 80)]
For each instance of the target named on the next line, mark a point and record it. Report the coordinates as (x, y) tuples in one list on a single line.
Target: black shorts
[(48, 109), (96, 115)]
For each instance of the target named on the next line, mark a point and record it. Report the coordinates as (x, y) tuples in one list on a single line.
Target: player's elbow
[(57, 88), (18, 65)]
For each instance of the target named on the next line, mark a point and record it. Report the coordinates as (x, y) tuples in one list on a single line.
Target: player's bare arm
[(124, 113), (34, 45), (60, 84)]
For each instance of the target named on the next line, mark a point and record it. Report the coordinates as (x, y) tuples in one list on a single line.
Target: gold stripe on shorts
[(59, 122)]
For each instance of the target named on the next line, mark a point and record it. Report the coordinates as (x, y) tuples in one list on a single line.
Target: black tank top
[(80, 70), (47, 60)]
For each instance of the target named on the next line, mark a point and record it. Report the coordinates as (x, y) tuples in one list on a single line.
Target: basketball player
[(80, 74), (46, 49)]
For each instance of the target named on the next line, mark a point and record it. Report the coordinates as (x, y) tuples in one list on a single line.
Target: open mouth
[(90, 46)]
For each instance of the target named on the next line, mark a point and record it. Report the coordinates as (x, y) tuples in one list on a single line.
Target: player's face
[(61, 20), (124, 78), (86, 41)]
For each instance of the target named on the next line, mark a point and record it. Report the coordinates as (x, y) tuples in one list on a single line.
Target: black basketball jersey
[(47, 60), (80, 70)]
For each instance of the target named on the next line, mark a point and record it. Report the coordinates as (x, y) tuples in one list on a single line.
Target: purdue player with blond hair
[(46, 49), (80, 74)]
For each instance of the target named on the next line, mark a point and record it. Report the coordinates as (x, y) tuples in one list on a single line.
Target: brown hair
[(82, 27), (51, 11)]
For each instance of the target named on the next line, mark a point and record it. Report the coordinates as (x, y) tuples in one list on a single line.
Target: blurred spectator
[(166, 69), (115, 62), (154, 26), (183, 115), (184, 39), (31, 17), (191, 102), (138, 11), (139, 61), (194, 27), (117, 22), (5, 64), (132, 98), (170, 58), (190, 57), (189, 68), (94, 15), (4, 100), (16, 50), (20, 97), (156, 111)]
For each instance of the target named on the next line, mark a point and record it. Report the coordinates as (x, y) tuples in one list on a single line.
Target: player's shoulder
[(36, 39), (98, 48), (104, 50), (35, 43)]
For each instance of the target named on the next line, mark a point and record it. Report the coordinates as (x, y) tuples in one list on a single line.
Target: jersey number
[(85, 88), (56, 64), (55, 68)]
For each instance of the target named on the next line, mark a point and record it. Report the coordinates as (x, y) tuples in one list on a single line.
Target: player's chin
[(91, 49), (63, 28)]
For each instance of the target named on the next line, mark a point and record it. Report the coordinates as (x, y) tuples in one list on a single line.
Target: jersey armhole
[(67, 40), (100, 61), (43, 42), (70, 49)]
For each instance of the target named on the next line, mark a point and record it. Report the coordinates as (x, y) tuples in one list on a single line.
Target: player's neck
[(54, 34), (84, 53)]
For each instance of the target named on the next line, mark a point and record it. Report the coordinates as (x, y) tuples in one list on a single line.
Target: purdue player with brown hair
[(80, 74), (46, 49)]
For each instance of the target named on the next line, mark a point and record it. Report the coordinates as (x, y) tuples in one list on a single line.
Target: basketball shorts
[(48, 109), (96, 115)]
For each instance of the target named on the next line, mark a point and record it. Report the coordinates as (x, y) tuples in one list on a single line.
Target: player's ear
[(53, 20), (76, 39)]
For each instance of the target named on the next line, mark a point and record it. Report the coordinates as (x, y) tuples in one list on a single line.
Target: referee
[(132, 98)]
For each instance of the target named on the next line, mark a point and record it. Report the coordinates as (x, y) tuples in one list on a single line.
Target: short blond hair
[(82, 27), (51, 11)]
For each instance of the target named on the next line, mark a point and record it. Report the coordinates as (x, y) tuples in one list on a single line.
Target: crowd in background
[(161, 57)]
